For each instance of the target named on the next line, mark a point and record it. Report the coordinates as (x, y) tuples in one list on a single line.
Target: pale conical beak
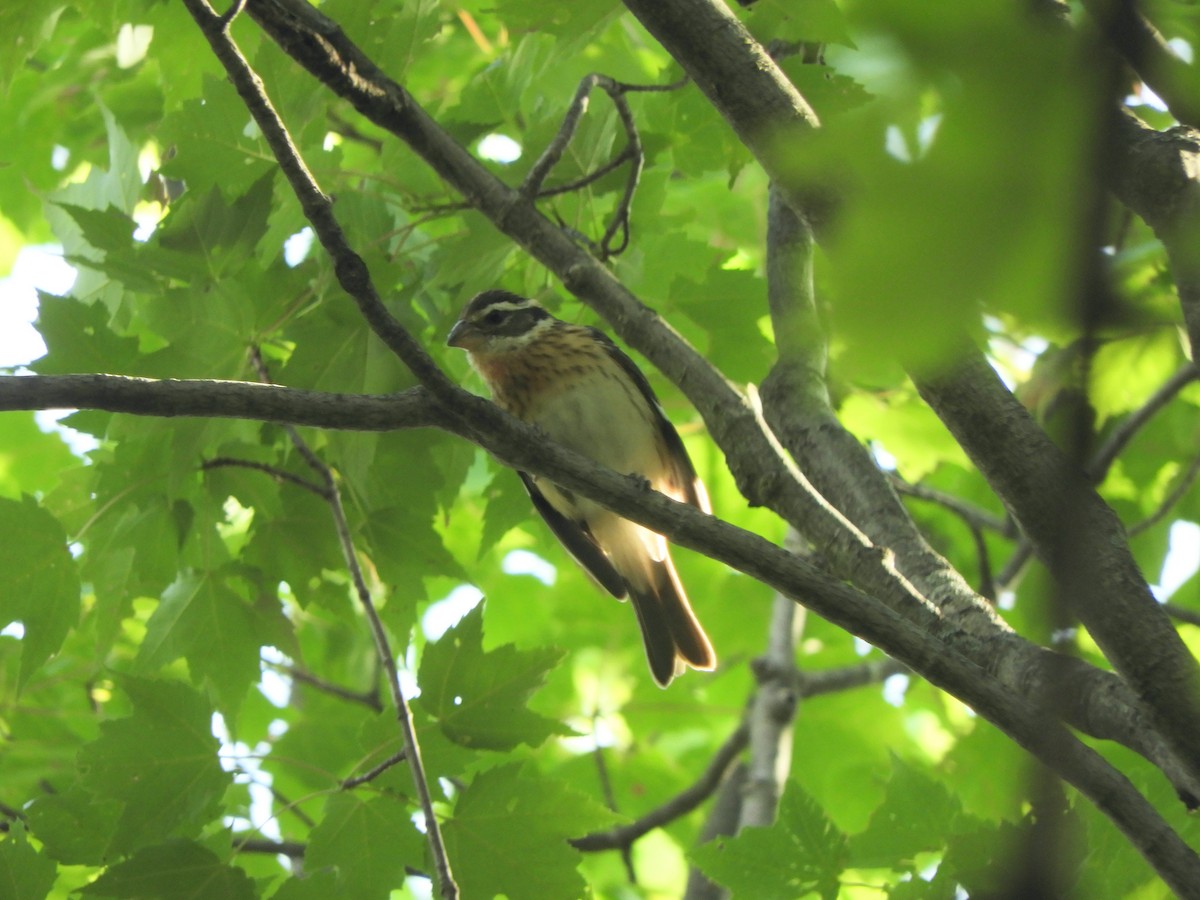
[(463, 334)]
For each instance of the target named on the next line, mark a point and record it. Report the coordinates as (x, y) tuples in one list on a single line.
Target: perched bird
[(582, 391)]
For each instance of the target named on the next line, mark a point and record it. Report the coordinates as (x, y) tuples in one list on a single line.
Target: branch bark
[(522, 447), (1078, 536), (1157, 175)]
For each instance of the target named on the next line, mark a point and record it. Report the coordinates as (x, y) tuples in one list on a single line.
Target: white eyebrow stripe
[(505, 306)]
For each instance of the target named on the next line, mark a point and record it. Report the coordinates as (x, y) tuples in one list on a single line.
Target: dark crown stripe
[(505, 299)]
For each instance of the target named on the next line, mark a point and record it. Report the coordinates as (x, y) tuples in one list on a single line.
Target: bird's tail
[(671, 632)]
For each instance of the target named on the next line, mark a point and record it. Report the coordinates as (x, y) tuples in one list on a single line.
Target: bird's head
[(498, 322)]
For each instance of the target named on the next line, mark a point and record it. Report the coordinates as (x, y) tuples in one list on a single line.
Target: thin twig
[(974, 516), (287, 804), (412, 751), (1177, 493), (369, 699), (987, 581), (595, 175), (610, 800), (222, 462), (829, 681), (374, 772), (1122, 434), (294, 849), (679, 805), (631, 153)]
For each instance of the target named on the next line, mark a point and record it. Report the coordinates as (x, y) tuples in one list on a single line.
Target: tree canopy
[(919, 284)]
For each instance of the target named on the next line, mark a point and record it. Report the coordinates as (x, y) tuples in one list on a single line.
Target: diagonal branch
[(523, 447), (679, 805), (1085, 549), (355, 280), (305, 33), (1142, 45)]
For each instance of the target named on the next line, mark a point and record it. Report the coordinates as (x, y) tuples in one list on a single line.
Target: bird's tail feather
[(670, 630)]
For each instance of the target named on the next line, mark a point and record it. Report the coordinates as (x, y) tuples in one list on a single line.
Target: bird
[(575, 385)]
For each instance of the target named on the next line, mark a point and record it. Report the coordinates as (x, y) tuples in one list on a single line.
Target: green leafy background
[(150, 716)]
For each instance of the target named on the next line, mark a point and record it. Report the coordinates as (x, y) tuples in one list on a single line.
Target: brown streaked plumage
[(577, 386)]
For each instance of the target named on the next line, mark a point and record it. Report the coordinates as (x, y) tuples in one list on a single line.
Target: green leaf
[(25, 26), (917, 814), (25, 874), (41, 581), (213, 148), (479, 697), (368, 842), (728, 303), (202, 619), (30, 458), (79, 338), (817, 21), (75, 826), (175, 870), (801, 852), (319, 885), (160, 763), (508, 505), (509, 832)]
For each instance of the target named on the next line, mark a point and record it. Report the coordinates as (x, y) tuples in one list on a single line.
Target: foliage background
[(163, 599)]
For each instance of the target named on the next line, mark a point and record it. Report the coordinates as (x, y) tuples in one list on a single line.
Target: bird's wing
[(577, 540), (688, 486)]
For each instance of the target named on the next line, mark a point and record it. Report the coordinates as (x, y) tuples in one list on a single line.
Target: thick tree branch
[(1078, 536), (744, 84), (522, 447), (170, 397), (1158, 177), (316, 39), (797, 407), (1141, 45), (798, 411)]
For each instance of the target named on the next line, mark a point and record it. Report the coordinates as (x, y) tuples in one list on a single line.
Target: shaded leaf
[(367, 842), (176, 870), (801, 852), (41, 582), (160, 763), (25, 874), (509, 832), (480, 697)]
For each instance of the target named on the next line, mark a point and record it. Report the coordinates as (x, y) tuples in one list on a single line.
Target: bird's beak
[(464, 335)]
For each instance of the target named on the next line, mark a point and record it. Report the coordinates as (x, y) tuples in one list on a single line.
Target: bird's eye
[(495, 317)]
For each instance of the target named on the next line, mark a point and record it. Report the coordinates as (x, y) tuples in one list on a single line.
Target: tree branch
[(679, 805), (523, 447), (1158, 177), (171, 397), (1141, 45), (1078, 536), (355, 280), (591, 282), (1102, 460)]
